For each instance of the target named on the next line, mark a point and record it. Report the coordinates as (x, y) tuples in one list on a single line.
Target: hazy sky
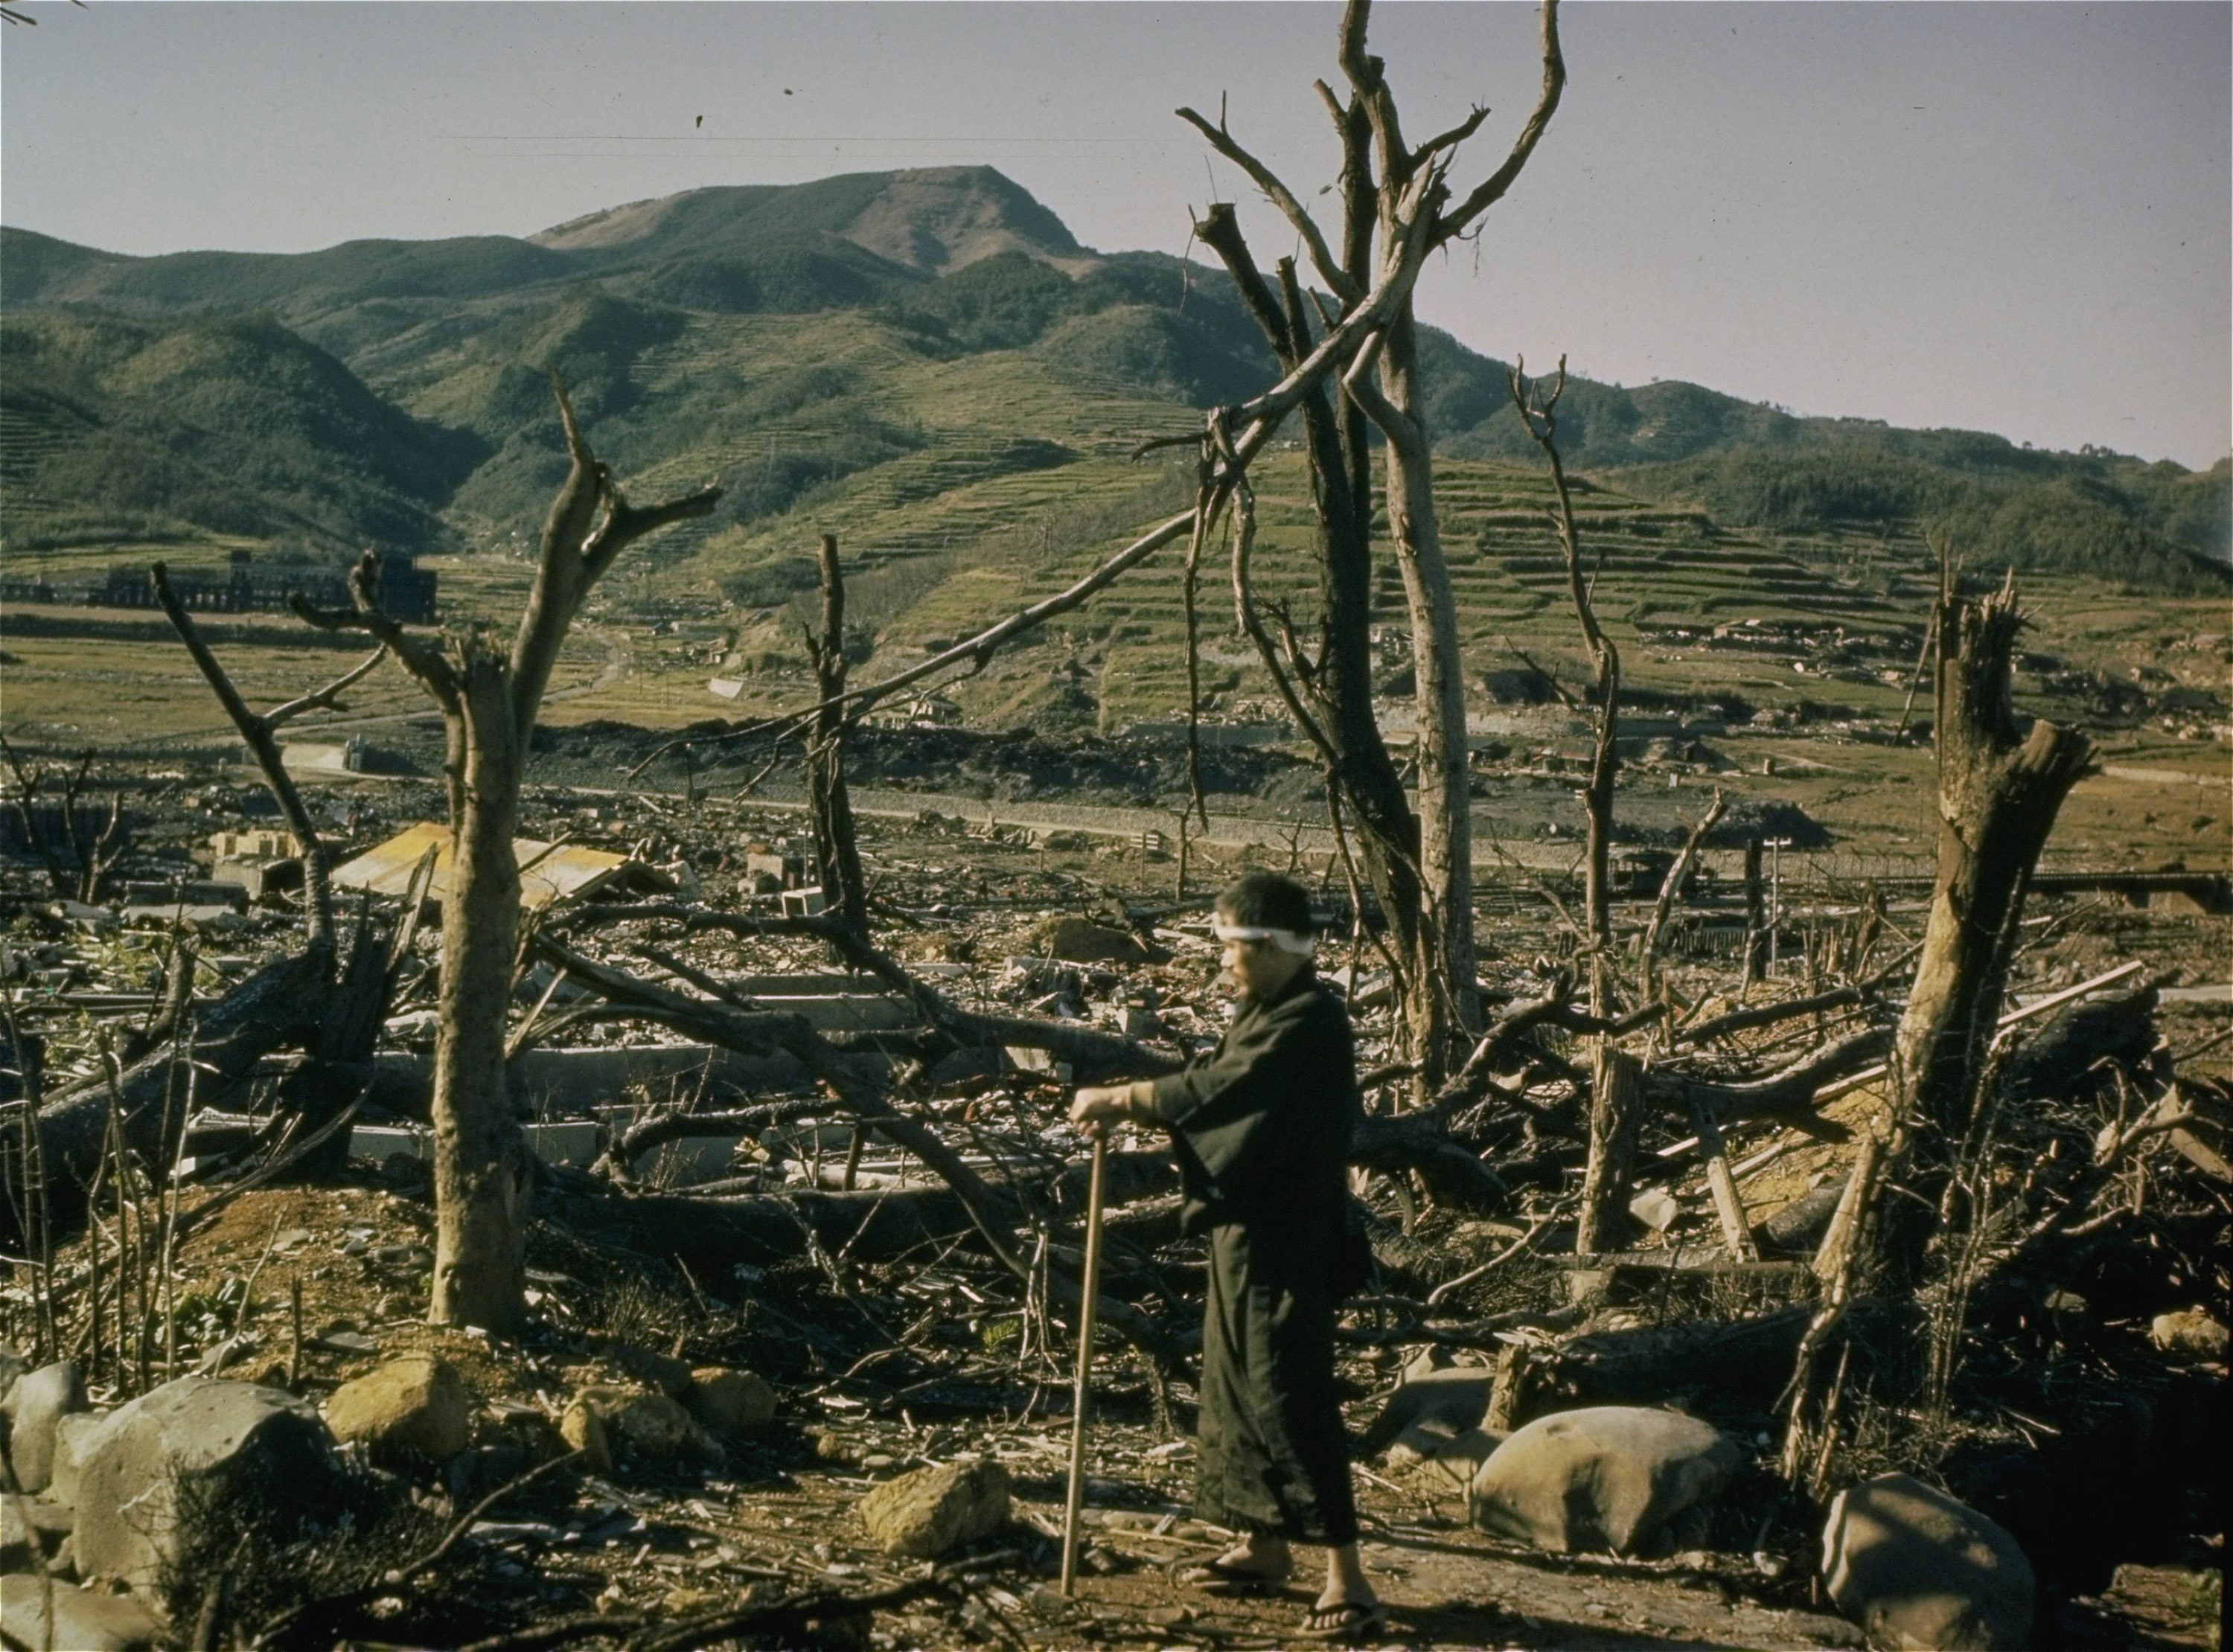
[(2014, 217)]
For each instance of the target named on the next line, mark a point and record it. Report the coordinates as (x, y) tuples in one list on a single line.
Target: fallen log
[(757, 1032), (1099, 1058), (1736, 1365), (1789, 1091), (281, 1003)]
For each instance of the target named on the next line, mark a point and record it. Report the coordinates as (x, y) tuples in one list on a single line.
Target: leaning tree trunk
[(1999, 790)]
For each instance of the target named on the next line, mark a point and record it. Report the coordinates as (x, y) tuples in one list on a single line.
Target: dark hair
[(1267, 900)]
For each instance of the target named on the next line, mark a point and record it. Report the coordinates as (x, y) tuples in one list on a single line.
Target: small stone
[(933, 1510), (2189, 1334), (35, 1406), (415, 1405), (1656, 1208), (876, 1462), (1913, 1567), (1080, 940), (584, 1431), (42, 1611), (647, 1425), (730, 1402)]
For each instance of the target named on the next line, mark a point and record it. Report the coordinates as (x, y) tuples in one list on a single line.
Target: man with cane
[(1261, 1129)]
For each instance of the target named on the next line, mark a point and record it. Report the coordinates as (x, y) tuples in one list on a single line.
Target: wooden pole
[(1089, 1287)]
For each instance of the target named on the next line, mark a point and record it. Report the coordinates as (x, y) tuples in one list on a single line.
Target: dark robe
[(1262, 1130)]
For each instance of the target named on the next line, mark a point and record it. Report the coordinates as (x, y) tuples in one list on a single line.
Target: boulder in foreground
[(1914, 1568), (1612, 1477), (199, 1448), (36, 1611), (35, 1407)]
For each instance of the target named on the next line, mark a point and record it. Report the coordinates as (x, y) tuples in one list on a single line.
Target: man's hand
[(1096, 1107)]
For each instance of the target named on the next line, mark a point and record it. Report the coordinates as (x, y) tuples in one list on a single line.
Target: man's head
[(1264, 921)]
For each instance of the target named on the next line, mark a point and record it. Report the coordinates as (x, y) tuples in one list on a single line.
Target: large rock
[(935, 1509), (199, 1448), (730, 1402), (38, 1401), (1914, 1568), (75, 1436), (414, 1406), (45, 1613), (1608, 1477)]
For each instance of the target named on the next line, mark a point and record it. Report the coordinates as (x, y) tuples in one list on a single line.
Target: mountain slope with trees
[(396, 391)]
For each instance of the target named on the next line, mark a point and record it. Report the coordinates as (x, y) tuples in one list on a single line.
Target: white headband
[(1286, 939)]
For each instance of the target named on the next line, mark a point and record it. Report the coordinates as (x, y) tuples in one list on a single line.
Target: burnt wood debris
[(645, 1213)]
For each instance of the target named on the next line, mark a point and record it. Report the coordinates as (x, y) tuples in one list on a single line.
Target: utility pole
[(1774, 897)]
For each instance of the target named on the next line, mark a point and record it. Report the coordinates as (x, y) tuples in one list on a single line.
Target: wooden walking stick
[(1088, 1288)]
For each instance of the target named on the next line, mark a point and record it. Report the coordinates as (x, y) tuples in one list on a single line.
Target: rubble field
[(749, 1311)]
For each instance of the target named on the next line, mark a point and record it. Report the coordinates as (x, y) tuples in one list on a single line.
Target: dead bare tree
[(1395, 205), (489, 702), (837, 856), (1999, 789), (77, 865), (1538, 412)]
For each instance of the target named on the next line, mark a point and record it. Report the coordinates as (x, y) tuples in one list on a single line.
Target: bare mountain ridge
[(932, 220)]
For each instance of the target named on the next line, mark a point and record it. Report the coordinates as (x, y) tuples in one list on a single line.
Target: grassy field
[(1018, 493)]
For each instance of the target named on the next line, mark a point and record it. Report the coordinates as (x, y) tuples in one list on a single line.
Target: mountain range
[(917, 330)]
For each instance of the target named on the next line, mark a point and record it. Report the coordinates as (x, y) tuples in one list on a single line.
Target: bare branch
[(1450, 139), (1492, 188), (1678, 875), (326, 699), (258, 733), (426, 664), (1279, 195), (625, 524), (1245, 614)]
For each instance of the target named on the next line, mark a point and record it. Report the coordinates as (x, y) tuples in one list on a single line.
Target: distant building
[(247, 586)]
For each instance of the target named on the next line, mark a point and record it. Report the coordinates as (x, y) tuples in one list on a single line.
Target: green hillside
[(926, 362), (112, 427)]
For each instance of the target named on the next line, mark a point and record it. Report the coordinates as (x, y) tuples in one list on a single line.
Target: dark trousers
[(1274, 1457)]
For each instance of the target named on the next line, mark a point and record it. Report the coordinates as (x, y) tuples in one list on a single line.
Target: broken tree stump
[(1999, 789), (1615, 1112)]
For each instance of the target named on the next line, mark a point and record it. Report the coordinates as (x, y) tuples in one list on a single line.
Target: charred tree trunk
[(836, 857), (1332, 694), (483, 1176), (1999, 791), (490, 701)]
